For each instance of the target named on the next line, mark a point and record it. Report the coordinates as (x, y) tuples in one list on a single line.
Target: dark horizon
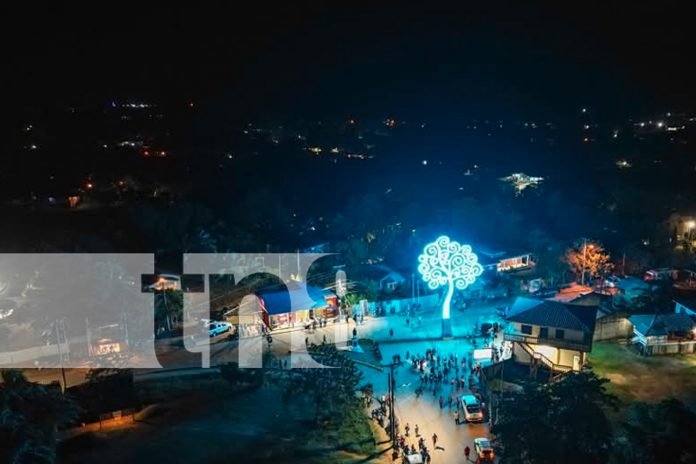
[(325, 61)]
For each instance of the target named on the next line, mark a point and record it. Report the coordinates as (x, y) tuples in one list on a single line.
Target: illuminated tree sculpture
[(446, 262)]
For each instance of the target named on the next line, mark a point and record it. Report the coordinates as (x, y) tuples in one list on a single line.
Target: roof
[(632, 283), (296, 297), (553, 314), (655, 325), (688, 301), (602, 302), (488, 256)]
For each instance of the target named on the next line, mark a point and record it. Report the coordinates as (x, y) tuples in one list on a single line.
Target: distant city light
[(424, 162), (521, 181)]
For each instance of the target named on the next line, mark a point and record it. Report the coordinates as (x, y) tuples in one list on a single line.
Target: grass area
[(217, 424), (639, 378)]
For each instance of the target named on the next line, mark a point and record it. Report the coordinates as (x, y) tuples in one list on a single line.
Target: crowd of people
[(436, 372), (445, 377)]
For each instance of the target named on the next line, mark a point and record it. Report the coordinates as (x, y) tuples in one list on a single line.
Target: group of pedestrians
[(436, 371), (410, 449)]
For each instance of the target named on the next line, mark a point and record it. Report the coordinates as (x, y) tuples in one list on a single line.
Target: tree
[(551, 264), (661, 432), (169, 307), (655, 299), (351, 299), (331, 389), (589, 258), (30, 415), (560, 422), (242, 378), (538, 240)]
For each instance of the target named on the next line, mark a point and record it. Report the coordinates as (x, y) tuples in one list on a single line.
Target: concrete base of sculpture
[(447, 328)]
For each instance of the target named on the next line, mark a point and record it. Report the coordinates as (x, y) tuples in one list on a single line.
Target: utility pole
[(89, 338), (413, 287), (392, 406), (500, 396), (125, 329), (584, 257), (298, 265), (61, 325)]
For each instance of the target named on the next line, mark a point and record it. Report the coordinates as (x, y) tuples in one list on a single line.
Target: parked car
[(484, 450), (472, 409), (217, 328)]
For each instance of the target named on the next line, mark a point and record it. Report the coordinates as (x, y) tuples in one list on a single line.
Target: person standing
[(456, 417), (391, 333), (434, 439), (415, 429), (467, 452), (442, 401)]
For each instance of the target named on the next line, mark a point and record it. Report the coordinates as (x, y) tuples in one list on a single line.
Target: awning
[(297, 297)]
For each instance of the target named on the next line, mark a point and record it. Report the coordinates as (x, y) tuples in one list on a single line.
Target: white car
[(472, 409), (217, 328), (484, 450)]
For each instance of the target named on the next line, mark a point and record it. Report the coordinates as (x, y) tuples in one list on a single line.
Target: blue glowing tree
[(446, 262)]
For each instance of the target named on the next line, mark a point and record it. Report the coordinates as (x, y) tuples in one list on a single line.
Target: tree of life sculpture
[(447, 262)]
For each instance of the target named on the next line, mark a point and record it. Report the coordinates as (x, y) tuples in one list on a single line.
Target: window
[(527, 329), (560, 334), (544, 332)]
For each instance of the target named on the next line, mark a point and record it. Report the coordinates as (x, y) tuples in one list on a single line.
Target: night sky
[(355, 57)]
